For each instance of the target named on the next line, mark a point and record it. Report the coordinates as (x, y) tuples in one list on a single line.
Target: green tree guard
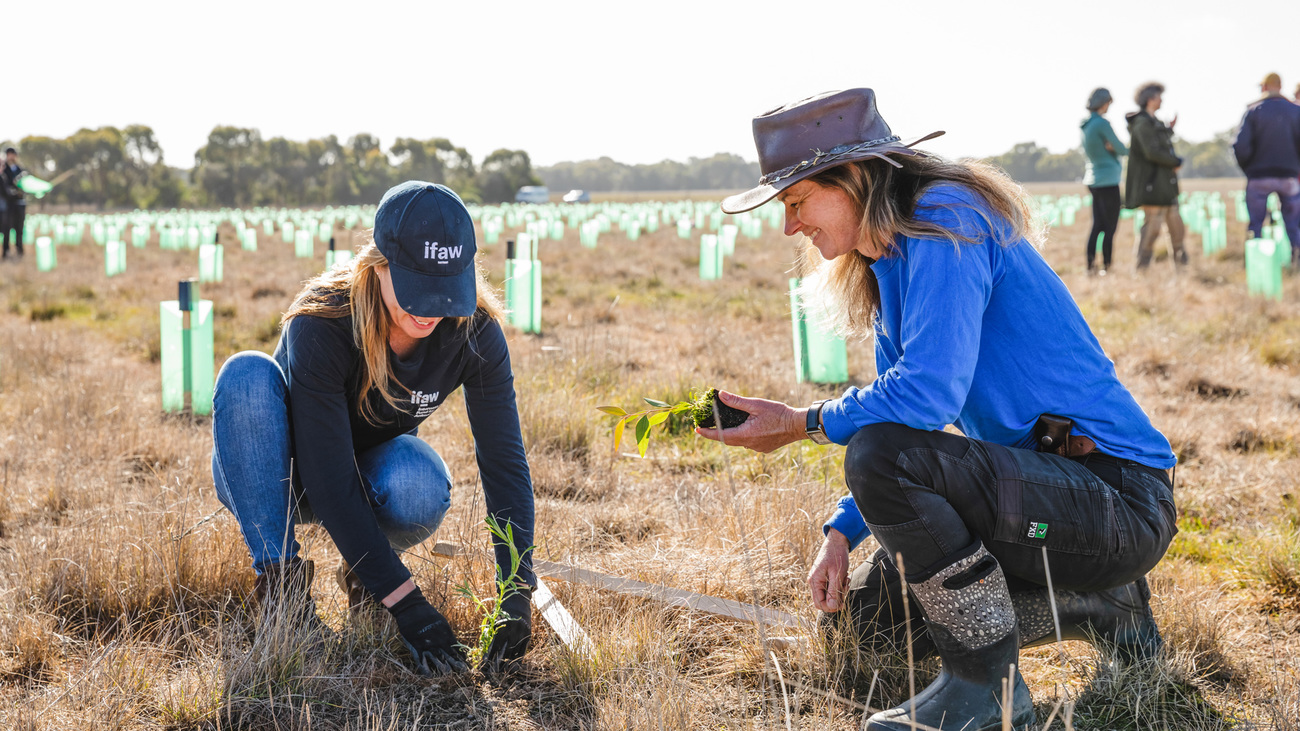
[(186, 351), (589, 233), (46, 258), (248, 239), (727, 239), (684, 228), (524, 285), (140, 236), (1263, 268), (303, 244), (287, 232), (211, 257), (710, 257), (820, 356), (114, 258)]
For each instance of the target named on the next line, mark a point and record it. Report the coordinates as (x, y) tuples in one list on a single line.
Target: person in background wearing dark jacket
[(369, 350), (1104, 150), (15, 203), (1268, 150), (1153, 175)]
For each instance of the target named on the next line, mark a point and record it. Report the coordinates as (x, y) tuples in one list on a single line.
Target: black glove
[(427, 635), (511, 641)]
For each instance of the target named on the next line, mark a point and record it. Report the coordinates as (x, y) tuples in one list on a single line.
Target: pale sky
[(639, 82)]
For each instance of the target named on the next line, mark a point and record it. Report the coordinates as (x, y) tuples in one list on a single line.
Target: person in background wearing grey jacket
[(1104, 150)]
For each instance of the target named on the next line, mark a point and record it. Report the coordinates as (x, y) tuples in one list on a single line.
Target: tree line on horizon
[(112, 168)]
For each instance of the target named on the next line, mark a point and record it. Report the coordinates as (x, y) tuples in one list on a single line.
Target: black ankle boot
[(282, 595), (1120, 617), (359, 598), (973, 625)]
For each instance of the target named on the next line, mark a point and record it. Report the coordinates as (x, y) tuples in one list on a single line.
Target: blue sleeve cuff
[(848, 520), (837, 425)]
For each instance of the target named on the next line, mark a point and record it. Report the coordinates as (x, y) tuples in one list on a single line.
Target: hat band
[(820, 157)]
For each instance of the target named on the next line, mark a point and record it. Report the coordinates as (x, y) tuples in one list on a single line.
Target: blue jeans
[(406, 481), (1288, 192)]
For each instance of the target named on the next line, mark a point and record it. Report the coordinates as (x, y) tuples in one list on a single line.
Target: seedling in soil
[(701, 411), (507, 584)]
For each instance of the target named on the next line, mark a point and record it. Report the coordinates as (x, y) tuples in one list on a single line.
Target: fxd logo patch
[(1037, 530), (442, 254)]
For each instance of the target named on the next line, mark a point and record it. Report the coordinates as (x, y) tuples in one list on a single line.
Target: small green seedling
[(494, 617), (700, 409)]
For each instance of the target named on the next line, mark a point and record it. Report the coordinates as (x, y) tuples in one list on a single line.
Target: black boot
[(973, 625), (1119, 617), (282, 596), (359, 598)]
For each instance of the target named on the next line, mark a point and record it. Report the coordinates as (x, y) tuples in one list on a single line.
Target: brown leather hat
[(815, 134)]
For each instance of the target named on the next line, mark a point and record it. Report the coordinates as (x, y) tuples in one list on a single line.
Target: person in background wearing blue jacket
[(1101, 176), (1056, 465), (324, 430), (1268, 150)]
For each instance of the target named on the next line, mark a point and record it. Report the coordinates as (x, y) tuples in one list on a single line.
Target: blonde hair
[(845, 290), (353, 289)]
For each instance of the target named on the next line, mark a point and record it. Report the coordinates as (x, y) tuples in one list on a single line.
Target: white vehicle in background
[(577, 196), (533, 194)]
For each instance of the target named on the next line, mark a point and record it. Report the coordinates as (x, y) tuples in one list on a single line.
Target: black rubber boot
[(973, 625), (1119, 617)]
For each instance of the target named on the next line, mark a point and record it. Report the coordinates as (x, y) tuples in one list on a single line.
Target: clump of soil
[(702, 411), (1213, 391)]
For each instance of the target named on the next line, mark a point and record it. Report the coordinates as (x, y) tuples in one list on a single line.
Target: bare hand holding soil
[(770, 426)]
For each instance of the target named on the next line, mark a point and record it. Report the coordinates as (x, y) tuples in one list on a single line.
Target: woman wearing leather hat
[(325, 429), (1056, 465)]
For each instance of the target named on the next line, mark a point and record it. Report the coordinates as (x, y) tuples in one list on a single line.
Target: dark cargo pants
[(926, 495)]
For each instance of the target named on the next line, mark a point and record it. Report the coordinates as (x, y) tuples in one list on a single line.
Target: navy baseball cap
[(425, 233)]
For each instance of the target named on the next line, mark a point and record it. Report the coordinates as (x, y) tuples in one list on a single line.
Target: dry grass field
[(121, 581)]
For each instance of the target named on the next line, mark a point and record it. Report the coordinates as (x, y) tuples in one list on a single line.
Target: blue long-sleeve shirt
[(985, 337), (323, 368)]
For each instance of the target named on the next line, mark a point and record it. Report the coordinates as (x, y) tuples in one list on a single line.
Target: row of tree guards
[(819, 355)]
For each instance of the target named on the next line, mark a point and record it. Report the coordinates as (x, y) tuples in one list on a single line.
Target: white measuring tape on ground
[(569, 630)]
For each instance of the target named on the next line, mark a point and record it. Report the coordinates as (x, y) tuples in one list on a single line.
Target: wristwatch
[(813, 427)]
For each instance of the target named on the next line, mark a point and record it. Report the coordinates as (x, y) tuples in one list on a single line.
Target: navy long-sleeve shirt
[(985, 337), (1268, 142), (324, 368)]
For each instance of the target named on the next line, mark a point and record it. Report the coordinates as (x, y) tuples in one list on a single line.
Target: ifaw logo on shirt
[(442, 254), (425, 403)]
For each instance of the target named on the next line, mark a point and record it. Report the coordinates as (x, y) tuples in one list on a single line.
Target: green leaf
[(643, 428), (658, 418), (681, 407), (660, 404), (614, 410)]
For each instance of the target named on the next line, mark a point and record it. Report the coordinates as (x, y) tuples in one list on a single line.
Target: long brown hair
[(845, 289), (353, 289)]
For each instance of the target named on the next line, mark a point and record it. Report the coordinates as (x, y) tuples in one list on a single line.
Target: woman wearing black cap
[(1056, 461), (324, 430)]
